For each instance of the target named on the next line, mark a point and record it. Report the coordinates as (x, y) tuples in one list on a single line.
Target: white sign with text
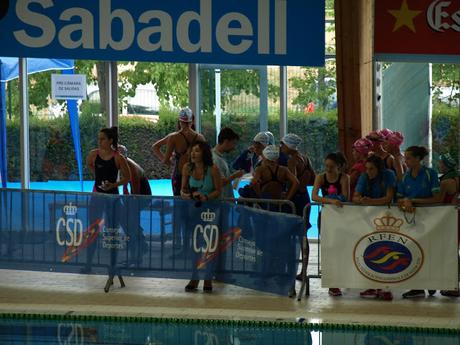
[(68, 86)]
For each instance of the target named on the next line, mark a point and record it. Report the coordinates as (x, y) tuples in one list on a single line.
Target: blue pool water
[(160, 187), (178, 332)]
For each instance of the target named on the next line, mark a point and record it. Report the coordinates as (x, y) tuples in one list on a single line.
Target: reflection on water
[(71, 332)]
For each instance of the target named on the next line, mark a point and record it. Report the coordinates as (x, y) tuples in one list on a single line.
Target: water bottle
[(332, 190)]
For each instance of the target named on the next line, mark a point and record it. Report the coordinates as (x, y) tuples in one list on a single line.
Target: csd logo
[(205, 238), (70, 226), (69, 232), (206, 338), (4, 4), (70, 333)]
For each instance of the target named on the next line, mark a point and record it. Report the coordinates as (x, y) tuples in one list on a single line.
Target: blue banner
[(145, 236), (250, 32)]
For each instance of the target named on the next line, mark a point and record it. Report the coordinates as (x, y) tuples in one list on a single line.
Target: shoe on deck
[(385, 295), (450, 293), (369, 293), (335, 292), (414, 294)]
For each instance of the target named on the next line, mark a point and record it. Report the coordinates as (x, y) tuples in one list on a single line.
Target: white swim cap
[(292, 141), (271, 152), (261, 138)]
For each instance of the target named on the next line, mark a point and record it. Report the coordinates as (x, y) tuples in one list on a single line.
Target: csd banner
[(152, 237), (417, 30), (251, 32), (381, 247)]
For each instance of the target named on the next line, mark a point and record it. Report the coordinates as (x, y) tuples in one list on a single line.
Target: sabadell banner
[(254, 32)]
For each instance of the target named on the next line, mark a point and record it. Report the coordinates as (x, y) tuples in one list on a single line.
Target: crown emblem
[(70, 210), (208, 216), (388, 223)]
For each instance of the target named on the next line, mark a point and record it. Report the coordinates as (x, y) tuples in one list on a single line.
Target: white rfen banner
[(381, 247)]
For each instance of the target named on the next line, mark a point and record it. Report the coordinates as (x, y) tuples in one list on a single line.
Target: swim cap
[(395, 139), (122, 150), (448, 160), (292, 141), (185, 115), (386, 132), (271, 138), (271, 152), (362, 146), (261, 138), (375, 136)]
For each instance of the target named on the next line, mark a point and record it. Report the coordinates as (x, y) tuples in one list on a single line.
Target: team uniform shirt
[(423, 186), (377, 187), (221, 163)]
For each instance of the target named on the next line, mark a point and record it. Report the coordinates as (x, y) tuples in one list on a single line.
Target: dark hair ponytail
[(111, 133), (418, 151), (377, 161), (338, 158)]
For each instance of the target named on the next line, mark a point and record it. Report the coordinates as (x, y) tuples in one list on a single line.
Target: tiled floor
[(39, 292)]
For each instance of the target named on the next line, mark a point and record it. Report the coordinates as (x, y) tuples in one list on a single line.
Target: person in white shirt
[(226, 142)]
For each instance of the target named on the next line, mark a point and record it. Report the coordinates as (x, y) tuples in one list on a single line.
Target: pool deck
[(58, 293)]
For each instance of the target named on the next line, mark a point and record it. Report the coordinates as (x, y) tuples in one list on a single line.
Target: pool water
[(78, 330), (161, 187)]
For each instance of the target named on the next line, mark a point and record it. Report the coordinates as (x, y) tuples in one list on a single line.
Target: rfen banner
[(417, 30), (251, 32), (380, 247)]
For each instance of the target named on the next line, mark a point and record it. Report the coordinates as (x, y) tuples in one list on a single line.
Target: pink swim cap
[(375, 136), (395, 139), (386, 132), (362, 146)]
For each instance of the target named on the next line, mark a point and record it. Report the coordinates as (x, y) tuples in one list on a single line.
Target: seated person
[(376, 186)]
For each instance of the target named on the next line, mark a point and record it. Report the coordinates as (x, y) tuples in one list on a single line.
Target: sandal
[(192, 286), (207, 287), (335, 292), (384, 295), (450, 293)]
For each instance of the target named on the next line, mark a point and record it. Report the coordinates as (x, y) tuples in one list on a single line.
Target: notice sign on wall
[(65, 86)]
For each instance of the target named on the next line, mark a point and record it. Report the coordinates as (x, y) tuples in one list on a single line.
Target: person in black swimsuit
[(335, 189), (179, 144), (301, 167), (270, 179), (106, 163)]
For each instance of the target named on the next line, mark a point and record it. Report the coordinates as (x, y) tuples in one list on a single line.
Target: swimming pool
[(51, 329), (161, 187)]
